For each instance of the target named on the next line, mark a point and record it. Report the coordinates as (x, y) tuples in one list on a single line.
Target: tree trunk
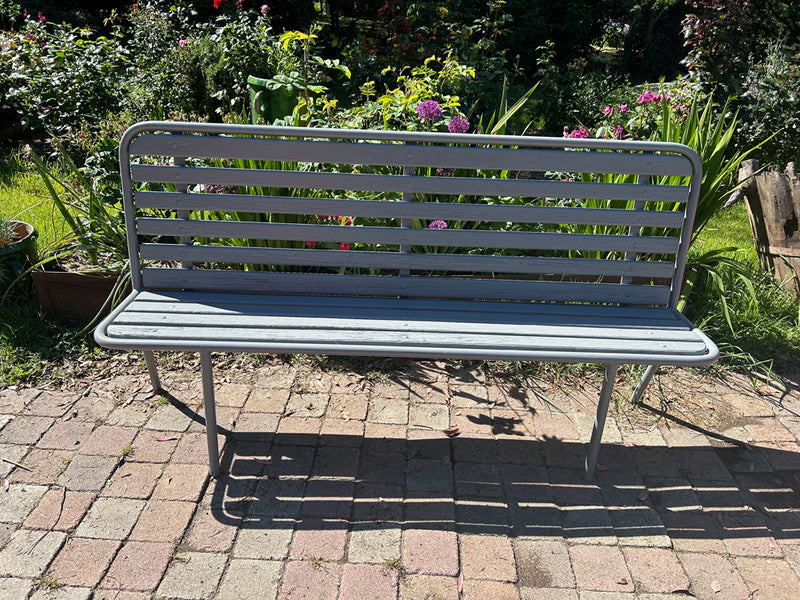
[(773, 205)]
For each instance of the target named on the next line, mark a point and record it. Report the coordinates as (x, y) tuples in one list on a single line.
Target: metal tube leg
[(211, 413), (600, 420), (643, 383), (150, 361)]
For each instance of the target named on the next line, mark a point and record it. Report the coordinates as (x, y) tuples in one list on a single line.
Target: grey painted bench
[(405, 244)]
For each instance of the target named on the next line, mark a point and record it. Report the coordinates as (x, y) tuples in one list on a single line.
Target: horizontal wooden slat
[(407, 183), (422, 287), (397, 236), (395, 261), (393, 154), (409, 210), (423, 308)]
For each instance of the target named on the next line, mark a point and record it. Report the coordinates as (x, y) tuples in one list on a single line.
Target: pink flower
[(311, 244), (623, 108), (344, 246), (182, 43), (646, 98), (135, 6), (264, 9), (437, 224), (445, 171), (608, 110), (620, 133), (345, 220), (458, 124), (41, 18), (581, 132)]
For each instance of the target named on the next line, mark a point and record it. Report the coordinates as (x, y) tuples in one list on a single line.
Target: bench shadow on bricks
[(647, 495)]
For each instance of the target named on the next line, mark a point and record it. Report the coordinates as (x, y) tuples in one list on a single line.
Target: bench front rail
[(421, 245)]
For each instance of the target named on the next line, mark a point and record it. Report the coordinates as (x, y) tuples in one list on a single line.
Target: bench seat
[(405, 327)]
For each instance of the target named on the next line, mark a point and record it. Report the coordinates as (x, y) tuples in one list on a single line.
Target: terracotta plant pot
[(73, 296)]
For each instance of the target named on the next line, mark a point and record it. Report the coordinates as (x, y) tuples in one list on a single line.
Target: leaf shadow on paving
[(642, 496)]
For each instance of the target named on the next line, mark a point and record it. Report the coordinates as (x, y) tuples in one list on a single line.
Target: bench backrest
[(418, 214)]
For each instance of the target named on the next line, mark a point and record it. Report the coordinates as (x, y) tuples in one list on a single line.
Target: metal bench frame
[(547, 303)]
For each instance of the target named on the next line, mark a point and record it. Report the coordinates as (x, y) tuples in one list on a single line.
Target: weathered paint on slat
[(398, 236), (308, 151), (415, 184), (409, 210), (423, 287)]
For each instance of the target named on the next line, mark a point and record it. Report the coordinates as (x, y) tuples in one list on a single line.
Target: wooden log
[(773, 205)]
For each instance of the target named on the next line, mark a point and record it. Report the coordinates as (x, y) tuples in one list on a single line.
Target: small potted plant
[(17, 251)]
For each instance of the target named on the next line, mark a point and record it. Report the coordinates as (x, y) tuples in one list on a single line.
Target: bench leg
[(600, 420), (211, 413), (643, 382), (150, 361)]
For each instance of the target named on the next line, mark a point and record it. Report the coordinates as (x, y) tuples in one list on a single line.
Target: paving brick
[(83, 561), (192, 576), (713, 576), (656, 570), (429, 587), (276, 376), (277, 498), (93, 408), (59, 509), (110, 518), (555, 425), (50, 404), (138, 566), (474, 479), (304, 580), (782, 456), (319, 539), (368, 582), (193, 448), (299, 430), (63, 593), (163, 521), (120, 595), (256, 427), (336, 462), (307, 405), (382, 437), (341, 432), (352, 407), (382, 467), (496, 590), (13, 399), (600, 568), (108, 440), (694, 532), (231, 394), (86, 472), (487, 557), (430, 552), (19, 501), (12, 588), (25, 430), (328, 499), (423, 475), (45, 466), (377, 502), (167, 417), (768, 429), (131, 415), (267, 400), (587, 525), (543, 564), (548, 594), (469, 396), (250, 579), (391, 411), (374, 543), (28, 552), (67, 435), (133, 480), (255, 541), (769, 579), (9, 454), (211, 530), (181, 482), (746, 534)]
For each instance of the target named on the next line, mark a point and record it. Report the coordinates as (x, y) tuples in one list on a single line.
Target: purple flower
[(182, 43), (608, 110), (429, 111), (437, 224), (620, 133), (581, 132), (646, 98), (458, 124), (623, 108), (445, 171)]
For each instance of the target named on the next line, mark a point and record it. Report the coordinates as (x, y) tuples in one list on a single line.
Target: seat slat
[(411, 237), (308, 151), (422, 287), (395, 261), (411, 184)]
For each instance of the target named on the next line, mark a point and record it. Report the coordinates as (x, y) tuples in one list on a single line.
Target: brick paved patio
[(345, 488)]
